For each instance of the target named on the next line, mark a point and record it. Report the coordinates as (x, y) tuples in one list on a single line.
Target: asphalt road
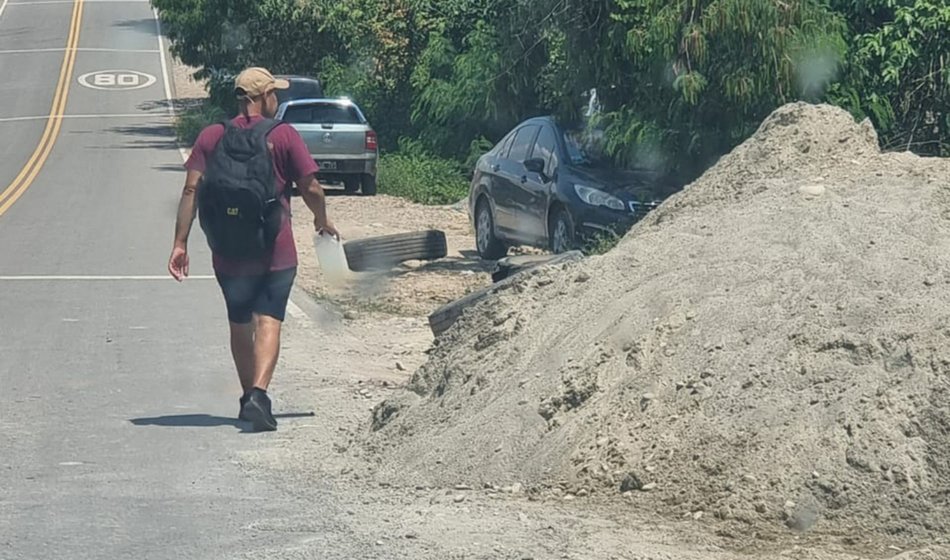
[(117, 399)]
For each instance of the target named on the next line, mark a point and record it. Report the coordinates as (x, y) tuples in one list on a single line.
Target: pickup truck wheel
[(369, 185), (380, 253), (351, 185)]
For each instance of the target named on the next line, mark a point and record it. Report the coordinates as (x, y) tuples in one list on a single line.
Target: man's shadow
[(207, 421)]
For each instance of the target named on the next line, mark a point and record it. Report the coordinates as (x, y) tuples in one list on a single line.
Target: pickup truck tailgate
[(329, 128), (334, 139)]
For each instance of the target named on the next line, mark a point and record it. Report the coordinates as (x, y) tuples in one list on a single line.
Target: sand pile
[(770, 348)]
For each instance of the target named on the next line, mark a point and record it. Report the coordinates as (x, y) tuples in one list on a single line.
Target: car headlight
[(596, 197)]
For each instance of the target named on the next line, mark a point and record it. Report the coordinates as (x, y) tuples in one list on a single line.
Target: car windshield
[(584, 147), (322, 113)]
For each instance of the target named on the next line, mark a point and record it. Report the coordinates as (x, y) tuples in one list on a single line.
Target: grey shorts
[(259, 294)]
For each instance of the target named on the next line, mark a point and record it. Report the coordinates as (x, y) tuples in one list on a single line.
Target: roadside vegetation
[(422, 178), (678, 83), (193, 119)]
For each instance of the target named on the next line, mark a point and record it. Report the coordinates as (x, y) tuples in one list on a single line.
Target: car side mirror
[(535, 165)]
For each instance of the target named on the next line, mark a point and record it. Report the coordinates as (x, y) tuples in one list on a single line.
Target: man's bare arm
[(187, 208), (316, 200)]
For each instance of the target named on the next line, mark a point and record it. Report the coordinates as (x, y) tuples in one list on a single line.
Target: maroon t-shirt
[(292, 162)]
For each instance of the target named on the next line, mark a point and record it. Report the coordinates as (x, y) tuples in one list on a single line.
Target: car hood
[(635, 183)]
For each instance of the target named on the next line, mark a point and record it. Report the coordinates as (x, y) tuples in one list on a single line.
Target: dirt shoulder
[(185, 89)]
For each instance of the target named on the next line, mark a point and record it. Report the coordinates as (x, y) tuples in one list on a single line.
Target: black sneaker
[(241, 416), (257, 411)]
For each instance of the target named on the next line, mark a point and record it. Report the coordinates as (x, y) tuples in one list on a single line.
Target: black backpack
[(238, 207)]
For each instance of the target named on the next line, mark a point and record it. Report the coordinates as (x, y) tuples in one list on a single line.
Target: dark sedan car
[(538, 186), (301, 87)]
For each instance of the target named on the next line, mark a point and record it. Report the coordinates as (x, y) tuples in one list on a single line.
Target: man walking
[(239, 175)]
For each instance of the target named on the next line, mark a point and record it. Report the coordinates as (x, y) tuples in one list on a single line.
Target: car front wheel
[(562, 232), (488, 245)]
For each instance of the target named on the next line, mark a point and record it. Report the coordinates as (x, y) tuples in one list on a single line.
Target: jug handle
[(321, 231)]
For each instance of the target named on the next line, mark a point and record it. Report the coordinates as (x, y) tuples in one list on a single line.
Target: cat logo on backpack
[(238, 206)]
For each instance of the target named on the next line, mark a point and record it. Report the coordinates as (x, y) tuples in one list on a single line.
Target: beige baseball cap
[(256, 81)]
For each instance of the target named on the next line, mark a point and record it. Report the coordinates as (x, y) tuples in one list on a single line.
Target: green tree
[(220, 37), (685, 81), (899, 71), (479, 72)]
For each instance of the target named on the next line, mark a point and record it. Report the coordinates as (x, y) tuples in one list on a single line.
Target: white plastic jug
[(331, 257)]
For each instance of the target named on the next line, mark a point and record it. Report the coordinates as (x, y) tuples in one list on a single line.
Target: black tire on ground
[(368, 185), (444, 317), (562, 232), (510, 266), (380, 253), (488, 245), (351, 185)]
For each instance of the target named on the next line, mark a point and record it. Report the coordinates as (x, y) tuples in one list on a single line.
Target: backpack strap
[(261, 130), (264, 127)]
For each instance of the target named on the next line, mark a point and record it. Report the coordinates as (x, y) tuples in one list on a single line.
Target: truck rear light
[(371, 143)]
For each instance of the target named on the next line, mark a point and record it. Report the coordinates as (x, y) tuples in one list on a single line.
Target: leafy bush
[(421, 178), (192, 120), (601, 243)]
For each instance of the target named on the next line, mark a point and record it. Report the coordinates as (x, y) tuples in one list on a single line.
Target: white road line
[(165, 79), (294, 311), (95, 278), (161, 57), (3, 6), (80, 49), (104, 116)]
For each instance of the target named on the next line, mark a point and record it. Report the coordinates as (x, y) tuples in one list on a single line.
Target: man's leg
[(242, 350), (266, 350), (239, 293), (269, 310)]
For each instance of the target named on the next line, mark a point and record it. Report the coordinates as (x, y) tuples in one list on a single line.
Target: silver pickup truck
[(340, 140)]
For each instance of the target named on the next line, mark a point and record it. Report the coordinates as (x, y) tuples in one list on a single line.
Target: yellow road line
[(25, 178)]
